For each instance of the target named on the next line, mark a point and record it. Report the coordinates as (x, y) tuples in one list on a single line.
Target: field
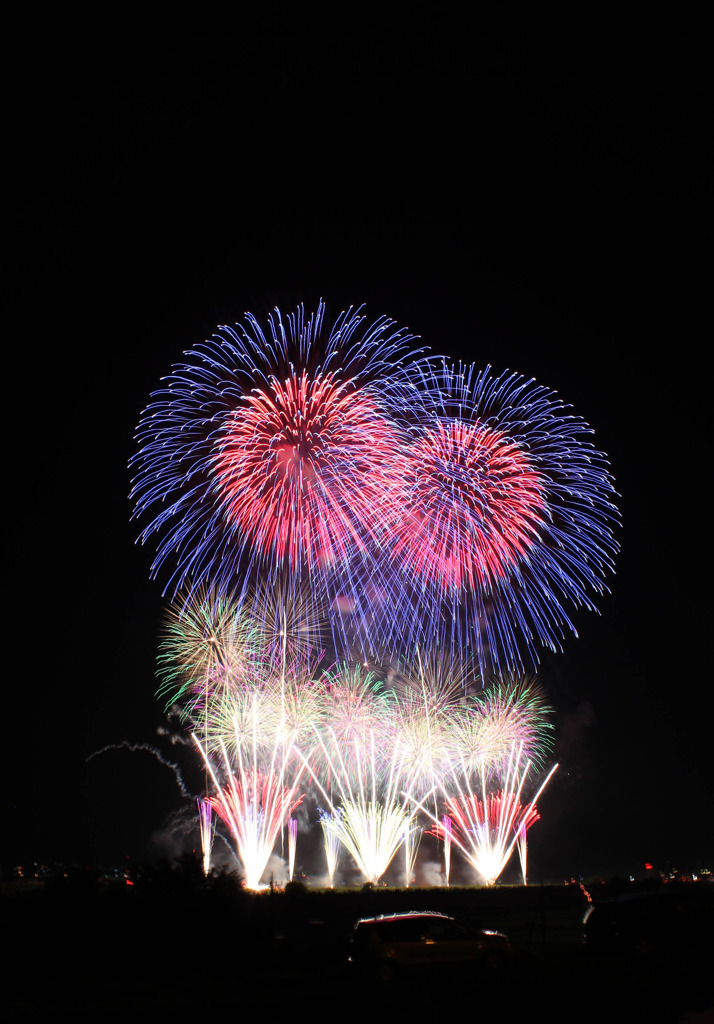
[(173, 945)]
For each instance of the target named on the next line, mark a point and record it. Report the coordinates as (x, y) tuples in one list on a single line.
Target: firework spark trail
[(483, 829), (208, 831), (521, 828), (499, 517), (331, 841), (411, 841), (447, 834), (286, 610), (284, 457), (245, 720), (355, 707), (292, 843), (372, 832), (261, 791), (427, 699), (125, 745), (281, 703), (205, 642)]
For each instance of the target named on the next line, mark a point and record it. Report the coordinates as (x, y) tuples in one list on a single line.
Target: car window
[(406, 930), (445, 931)]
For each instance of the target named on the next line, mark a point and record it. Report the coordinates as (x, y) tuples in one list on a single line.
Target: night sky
[(527, 198)]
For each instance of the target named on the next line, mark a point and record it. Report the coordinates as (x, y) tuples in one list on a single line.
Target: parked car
[(647, 923), (388, 946)]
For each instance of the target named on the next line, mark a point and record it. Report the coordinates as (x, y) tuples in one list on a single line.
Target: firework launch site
[(171, 941)]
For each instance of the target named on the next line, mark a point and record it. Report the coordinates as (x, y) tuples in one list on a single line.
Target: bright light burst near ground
[(273, 739), (484, 824), (254, 805)]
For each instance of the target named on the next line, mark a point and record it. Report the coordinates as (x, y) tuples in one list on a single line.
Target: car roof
[(408, 915)]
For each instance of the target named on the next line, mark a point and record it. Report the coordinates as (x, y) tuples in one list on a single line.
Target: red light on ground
[(648, 866)]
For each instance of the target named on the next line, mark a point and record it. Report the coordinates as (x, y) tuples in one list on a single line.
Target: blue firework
[(505, 522), (266, 450)]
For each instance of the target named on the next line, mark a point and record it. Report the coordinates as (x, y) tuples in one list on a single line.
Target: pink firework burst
[(486, 827), (302, 465), (255, 806), (474, 506), (485, 830)]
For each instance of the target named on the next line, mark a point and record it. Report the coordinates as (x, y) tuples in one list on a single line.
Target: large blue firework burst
[(506, 522), (411, 498), (265, 451)]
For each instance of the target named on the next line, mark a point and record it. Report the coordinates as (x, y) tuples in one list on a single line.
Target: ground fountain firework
[(380, 749), (377, 758), (411, 842), (484, 823), (331, 840), (207, 826), (292, 846), (371, 816), (255, 805)]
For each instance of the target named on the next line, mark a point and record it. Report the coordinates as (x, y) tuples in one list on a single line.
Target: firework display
[(370, 811), (268, 450), (365, 546), (378, 754), (254, 804), (486, 825), (413, 497), (504, 522)]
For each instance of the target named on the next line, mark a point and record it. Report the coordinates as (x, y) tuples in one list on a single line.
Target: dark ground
[(172, 946)]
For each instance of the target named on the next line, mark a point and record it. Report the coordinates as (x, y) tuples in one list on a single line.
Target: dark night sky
[(532, 201)]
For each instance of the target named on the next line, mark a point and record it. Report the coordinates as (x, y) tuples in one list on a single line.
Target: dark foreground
[(183, 950)]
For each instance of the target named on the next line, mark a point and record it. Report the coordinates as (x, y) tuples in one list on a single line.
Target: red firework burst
[(302, 467), (474, 506)]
